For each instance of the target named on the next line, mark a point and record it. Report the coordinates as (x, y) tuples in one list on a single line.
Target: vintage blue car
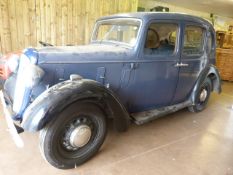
[(137, 67)]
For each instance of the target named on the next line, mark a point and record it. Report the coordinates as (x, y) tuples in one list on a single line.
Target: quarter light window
[(193, 40)]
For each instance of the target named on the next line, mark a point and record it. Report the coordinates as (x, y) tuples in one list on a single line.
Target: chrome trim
[(80, 136), (181, 65)]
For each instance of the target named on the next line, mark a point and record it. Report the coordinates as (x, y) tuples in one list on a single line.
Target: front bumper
[(12, 128)]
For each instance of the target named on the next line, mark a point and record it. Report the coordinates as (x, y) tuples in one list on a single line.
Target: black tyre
[(74, 136), (202, 97)]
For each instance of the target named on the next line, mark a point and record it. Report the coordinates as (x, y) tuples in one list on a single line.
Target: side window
[(209, 43), (193, 40), (161, 39)]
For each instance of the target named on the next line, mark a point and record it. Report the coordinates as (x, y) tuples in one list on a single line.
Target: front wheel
[(202, 96), (74, 136)]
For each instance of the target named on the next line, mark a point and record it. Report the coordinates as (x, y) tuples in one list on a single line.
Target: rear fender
[(209, 72)]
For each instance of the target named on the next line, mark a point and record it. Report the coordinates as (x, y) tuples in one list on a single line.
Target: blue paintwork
[(141, 82), (32, 54)]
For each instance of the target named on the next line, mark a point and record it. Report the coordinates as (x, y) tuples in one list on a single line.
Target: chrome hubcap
[(80, 136), (203, 95)]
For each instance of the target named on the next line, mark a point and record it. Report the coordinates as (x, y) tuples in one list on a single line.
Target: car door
[(192, 60), (155, 77)]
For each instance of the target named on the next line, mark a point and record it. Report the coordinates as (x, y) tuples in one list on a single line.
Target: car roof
[(147, 16)]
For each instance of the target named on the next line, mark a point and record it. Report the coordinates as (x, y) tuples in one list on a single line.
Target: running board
[(147, 116)]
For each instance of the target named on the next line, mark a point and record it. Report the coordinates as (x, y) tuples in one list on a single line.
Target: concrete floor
[(180, 143)]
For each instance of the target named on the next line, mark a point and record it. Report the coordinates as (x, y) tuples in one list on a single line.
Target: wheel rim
[(80, 136), (77, 134), (203, 95)]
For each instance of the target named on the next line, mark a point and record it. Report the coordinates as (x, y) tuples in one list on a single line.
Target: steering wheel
[(45, 44)]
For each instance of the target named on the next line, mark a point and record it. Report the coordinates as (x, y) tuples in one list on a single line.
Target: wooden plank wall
[(60, 22)]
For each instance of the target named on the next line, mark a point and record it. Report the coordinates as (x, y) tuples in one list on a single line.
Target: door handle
[(181, 65)]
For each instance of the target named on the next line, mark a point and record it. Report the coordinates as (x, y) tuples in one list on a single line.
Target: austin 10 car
[(137, 67)]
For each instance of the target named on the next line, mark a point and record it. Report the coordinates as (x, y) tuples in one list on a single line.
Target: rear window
[(210, 42), (193, 40)]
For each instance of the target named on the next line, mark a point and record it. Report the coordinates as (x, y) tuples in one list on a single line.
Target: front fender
[(51, 102), (211, 72)]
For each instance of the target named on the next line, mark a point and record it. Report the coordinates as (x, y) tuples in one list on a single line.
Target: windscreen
[(117, 31)]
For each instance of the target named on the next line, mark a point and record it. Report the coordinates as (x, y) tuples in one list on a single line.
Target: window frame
[(177, 44), (203, 40), (210, 35)]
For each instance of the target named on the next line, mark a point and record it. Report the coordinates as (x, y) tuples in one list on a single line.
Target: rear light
[(8, 64)]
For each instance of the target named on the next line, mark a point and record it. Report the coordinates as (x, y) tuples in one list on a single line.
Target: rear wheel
[(202, 97), (74, 136)]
